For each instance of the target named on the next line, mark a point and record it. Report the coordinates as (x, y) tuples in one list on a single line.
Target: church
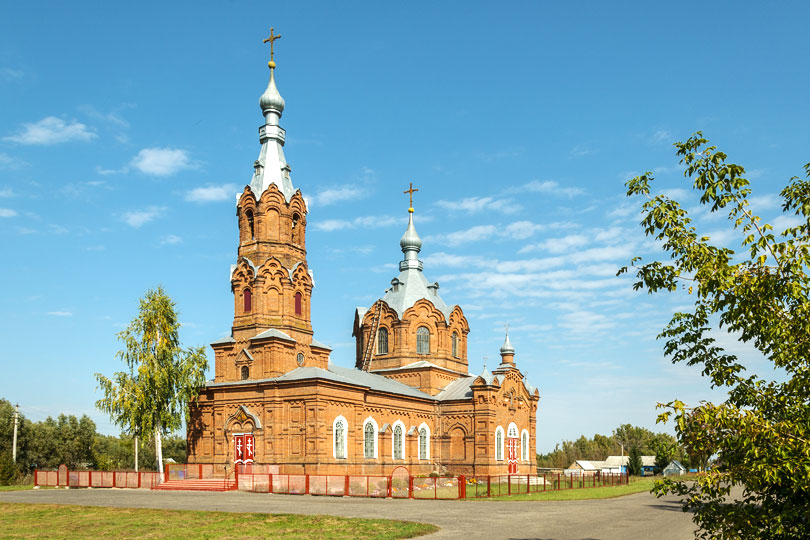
[(277, 404)]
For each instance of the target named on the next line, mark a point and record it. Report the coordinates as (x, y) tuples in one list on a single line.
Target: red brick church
[(410, 400)]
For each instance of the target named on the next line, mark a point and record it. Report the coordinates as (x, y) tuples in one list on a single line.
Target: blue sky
[(127, 128)]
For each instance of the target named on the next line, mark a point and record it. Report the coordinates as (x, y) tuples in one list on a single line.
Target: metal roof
[(458, 389), (273, 332)]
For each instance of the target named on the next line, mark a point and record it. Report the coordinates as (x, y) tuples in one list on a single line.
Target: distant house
[(618, 464), (675, 468), (585, 467)]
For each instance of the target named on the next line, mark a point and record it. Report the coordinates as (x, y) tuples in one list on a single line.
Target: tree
[(152, 397), (663, 455), (760, 434), (634, 462)]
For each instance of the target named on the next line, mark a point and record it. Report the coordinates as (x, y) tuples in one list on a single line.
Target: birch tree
[(162, 377)]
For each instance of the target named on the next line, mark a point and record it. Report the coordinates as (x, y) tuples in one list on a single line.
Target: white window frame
[(524, 448), (499, 444), (401, 425), (427, 441), (382, 331), (512, 428), (376, 435), (340, 418), (424, 341)]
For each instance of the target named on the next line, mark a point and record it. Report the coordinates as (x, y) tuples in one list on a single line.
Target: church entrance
[(244, 446), (512, 448)]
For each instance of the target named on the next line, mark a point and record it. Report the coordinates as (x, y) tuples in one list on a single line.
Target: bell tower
[(271, 281)]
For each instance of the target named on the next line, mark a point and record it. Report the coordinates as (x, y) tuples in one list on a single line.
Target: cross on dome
[(410, 191), (271, 39)]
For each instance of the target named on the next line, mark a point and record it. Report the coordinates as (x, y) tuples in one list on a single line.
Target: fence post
[(389, 490), (306, 484), (139, 478), (410, 487), (114, 475), (35, 477), (509, 484), (462, 487), (489, 486), (346, 487)]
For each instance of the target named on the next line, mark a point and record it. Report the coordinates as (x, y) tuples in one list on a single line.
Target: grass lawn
[(20, 488), (637, 485), (67, 522)]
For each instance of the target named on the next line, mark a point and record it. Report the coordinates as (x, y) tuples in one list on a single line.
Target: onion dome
[(271, 100), (507, 348), (410, 241)]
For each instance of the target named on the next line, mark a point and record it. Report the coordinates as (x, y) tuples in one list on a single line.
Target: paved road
[(633, 517)]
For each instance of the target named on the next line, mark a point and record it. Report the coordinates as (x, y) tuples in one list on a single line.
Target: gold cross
[(271, 39), (410, 191)]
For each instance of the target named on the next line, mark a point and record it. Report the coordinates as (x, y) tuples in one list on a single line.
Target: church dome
[(271, 99), (410, 241), (507, 347)]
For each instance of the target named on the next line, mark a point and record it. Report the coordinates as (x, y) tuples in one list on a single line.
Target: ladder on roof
[(375, 325)]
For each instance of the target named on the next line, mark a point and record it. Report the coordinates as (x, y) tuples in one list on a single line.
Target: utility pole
[(16, 422), (136, 453)]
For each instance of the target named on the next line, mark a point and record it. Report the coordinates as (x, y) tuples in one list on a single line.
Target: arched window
[(424, 442), (369, 440), (295, 219), (422, 340), (245, 373), (248, 300), (339, 440), (382, 341), (513, 431), (298, 303), (524, 445), (499, 444), (398, 441), (249, 219), (300, 359), (454, 343)]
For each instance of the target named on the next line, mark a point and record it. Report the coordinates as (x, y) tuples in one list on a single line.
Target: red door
[(243, 452), (512, 454)]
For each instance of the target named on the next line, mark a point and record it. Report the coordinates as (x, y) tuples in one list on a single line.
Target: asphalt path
[(633, 517)]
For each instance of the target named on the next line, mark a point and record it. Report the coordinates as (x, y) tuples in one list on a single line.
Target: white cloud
[(137, 218), (580, 150), (520, 230), (9, 74), (765, 202), (112, 118), (624, 210), (548, 186), (478, 204), (170, 239), (327, 197), (441, 258), (7, 212), (162, 161), (60, 313), (661, 135), (363, 222), (583, 322), (52, 130), (224, 192), (10, 162), (564, 244), (780, 223), (6, 192)]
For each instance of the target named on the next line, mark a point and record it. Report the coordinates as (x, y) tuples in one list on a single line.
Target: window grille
[(423, 443), (382, 341), (368, 446), (422, 340), (340, 440), (398, 442), (524, 447)]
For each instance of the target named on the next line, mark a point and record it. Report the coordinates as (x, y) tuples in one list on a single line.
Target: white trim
[(427, 442), (393, 429), (376, 437), (524, 451), (345, 437), (497, 446), (512, 428)]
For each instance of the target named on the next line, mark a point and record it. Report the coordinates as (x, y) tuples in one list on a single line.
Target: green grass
[(637, 485), (68, 522), (19, 488)]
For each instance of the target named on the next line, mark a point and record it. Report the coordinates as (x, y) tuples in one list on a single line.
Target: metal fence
[(455, 487)]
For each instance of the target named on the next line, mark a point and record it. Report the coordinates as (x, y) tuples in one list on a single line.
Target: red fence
[(96, 479), (418, 487), (188, 471)]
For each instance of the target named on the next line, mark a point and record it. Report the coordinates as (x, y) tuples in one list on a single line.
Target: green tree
[(162, 378), (634, 462), (67, 440), (761, 433), (664, 453)]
